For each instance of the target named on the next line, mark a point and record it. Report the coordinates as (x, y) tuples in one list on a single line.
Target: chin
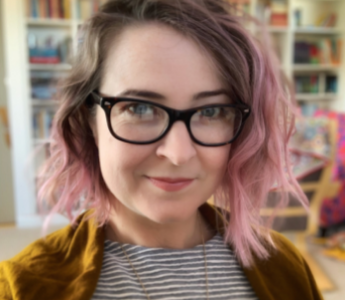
[(168, 214)]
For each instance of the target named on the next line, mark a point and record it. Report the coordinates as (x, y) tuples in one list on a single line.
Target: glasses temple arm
[(96, 98)]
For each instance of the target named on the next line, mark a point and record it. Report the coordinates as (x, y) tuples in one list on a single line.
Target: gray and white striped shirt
[(172, 274)]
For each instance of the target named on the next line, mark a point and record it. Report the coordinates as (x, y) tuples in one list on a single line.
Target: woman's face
[(158, 59)]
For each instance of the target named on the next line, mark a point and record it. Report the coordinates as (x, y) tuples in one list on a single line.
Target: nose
[(177, 146)]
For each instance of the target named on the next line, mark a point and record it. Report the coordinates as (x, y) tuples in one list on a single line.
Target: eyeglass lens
[(143, 122)]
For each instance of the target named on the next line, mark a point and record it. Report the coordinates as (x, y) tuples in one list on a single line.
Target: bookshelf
[(288, 21)]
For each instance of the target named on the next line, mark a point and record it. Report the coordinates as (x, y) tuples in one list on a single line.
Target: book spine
[(84, 8), (67, 9), (95, 6), (34, 8), (44, 60), (339, 50), (35, 125), (53, 9), (50, 8), (40, 123), (78, 10), (279, 13), (46, 128), (61, 10), (46, 8), (331, 46), (41, 9), (28, 8)]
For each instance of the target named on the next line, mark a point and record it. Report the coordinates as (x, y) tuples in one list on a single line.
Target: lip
[(170, 184)]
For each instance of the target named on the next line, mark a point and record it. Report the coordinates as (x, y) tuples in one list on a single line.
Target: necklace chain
[(141, 283)]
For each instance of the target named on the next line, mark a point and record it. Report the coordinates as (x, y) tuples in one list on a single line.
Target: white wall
[(7, 214)]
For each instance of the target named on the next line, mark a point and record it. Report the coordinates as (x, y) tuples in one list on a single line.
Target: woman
[(168, 103)]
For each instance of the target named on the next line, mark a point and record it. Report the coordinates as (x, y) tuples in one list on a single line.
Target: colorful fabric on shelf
[(333, 209), (340, 157), (310, 145)]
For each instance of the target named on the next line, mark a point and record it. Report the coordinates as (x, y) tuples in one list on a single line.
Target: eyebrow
[(156, 96)]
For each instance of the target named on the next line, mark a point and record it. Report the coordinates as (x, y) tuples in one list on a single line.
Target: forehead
[(156, 57)]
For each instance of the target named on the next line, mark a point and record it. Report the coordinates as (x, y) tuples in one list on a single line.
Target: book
[(49, 49), (86, 8), (279, 13), (67, 9), (34, 9), (322, 51), (331, 84), (44, 60), (52, 9), (44, 84), (307, 84), (326, 20), (42, 9), (55, 9), (242, 6), (42, 122)]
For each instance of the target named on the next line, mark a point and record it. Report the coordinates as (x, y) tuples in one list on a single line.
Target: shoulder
[(285, 274), (58, 258), (285, 259), (286, 251), (33, 263), (50, 246)]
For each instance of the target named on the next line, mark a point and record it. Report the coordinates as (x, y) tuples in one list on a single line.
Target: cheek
[(216, 159), (120, 162)]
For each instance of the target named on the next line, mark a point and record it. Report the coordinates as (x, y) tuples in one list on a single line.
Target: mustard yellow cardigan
[(67, 265)]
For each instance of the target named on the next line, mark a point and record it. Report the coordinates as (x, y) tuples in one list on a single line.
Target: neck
[(126, 226)]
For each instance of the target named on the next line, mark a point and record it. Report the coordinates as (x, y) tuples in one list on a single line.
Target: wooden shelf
[(278, 29), (286, 212), (316, 97), (49, 22), (317, 30), (311, 67), (309, 186), (273, 29), (50, 67), (43, 103)]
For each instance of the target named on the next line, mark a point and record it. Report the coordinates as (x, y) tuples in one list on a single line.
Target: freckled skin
[(156, 58)]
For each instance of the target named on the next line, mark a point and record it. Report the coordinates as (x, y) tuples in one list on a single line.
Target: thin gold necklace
[(141, 283)]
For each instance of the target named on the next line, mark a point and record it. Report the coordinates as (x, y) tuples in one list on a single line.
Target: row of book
[(311, 84), (61, 9), (241, 5), (307, 84), (42, 123), (44, 84), (328, 20), (85, 8), (323, 51), (52, 9), (49, 49), (273, 13)]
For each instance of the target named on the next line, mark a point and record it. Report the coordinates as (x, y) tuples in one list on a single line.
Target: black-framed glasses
[(138, 121)]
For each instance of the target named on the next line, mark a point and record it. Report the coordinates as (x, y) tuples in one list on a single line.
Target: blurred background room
[(37, 41)]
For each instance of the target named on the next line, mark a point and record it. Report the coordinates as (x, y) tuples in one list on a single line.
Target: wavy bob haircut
[(71, 179)]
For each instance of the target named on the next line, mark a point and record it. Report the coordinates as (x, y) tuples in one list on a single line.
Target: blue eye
[(140, 109), (210, 112)]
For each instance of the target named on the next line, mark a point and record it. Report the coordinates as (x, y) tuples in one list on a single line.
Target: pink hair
[(71, 179)]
